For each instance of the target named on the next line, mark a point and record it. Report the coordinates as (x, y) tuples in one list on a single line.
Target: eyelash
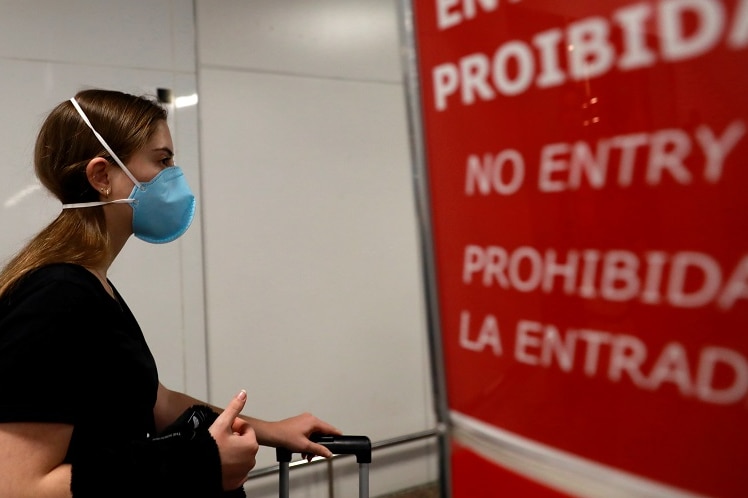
[(167, 161)]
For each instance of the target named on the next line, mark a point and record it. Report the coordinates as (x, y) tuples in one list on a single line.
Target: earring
[(105, 191)]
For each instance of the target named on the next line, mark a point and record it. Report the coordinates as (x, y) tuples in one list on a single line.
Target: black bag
[(195, 418)]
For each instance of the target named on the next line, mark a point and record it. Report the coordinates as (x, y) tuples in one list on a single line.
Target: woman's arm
[(292, 433), (31, 456)]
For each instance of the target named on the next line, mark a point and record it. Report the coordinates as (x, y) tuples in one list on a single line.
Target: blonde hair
[(63, 148)]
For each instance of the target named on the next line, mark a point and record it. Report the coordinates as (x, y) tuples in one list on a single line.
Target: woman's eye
[(167, 161)]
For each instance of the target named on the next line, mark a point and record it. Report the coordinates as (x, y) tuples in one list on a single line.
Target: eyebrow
[(164, 149)]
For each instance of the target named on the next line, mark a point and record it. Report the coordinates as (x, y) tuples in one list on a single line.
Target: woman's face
[(157, 154), (144, 164)]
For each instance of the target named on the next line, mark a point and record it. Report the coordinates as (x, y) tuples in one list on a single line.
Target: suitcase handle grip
[(340, 445)]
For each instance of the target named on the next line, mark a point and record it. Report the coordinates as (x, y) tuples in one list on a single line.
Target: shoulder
[(60, 272), (62, 283), (50, 311), (65, 274)]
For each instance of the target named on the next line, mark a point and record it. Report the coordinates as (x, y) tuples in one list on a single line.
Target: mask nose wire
[(103, 142)]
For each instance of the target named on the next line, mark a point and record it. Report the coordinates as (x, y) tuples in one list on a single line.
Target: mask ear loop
[(92, 204), (103, 143)]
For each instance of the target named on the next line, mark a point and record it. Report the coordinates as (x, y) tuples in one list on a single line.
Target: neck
[(119, 226), (116, 244)]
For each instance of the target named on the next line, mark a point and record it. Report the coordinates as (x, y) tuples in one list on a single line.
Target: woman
[(82, 412)]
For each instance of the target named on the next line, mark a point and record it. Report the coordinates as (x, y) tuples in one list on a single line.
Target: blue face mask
[(163, 208)]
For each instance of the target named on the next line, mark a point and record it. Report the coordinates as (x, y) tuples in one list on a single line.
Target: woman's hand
[(237, 443), (293, 434)]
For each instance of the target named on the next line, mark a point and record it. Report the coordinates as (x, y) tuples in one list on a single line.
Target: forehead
[(161, 137)]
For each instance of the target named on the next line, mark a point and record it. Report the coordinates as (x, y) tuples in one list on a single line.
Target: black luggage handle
[(340, 445)]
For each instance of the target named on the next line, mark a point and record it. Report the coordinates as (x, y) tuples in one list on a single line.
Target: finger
[(317, 449), (240, 425), (234, 408)]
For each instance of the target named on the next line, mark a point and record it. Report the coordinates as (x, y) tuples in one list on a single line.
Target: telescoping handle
[(339, 445)]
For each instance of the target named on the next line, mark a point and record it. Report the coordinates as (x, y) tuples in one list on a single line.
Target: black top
[(70, 353)]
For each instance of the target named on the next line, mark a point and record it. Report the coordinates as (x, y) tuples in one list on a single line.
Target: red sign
[(466, 464), (588, 167)]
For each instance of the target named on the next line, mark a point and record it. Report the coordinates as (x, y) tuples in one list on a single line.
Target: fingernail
[(242, 395)]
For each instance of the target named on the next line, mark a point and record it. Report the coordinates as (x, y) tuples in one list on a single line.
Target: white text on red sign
[(516, 65)]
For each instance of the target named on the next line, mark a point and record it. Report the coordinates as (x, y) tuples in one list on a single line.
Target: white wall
[(313, 291), (299, 279)]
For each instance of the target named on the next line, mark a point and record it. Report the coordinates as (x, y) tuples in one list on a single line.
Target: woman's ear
[(98, 177)]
